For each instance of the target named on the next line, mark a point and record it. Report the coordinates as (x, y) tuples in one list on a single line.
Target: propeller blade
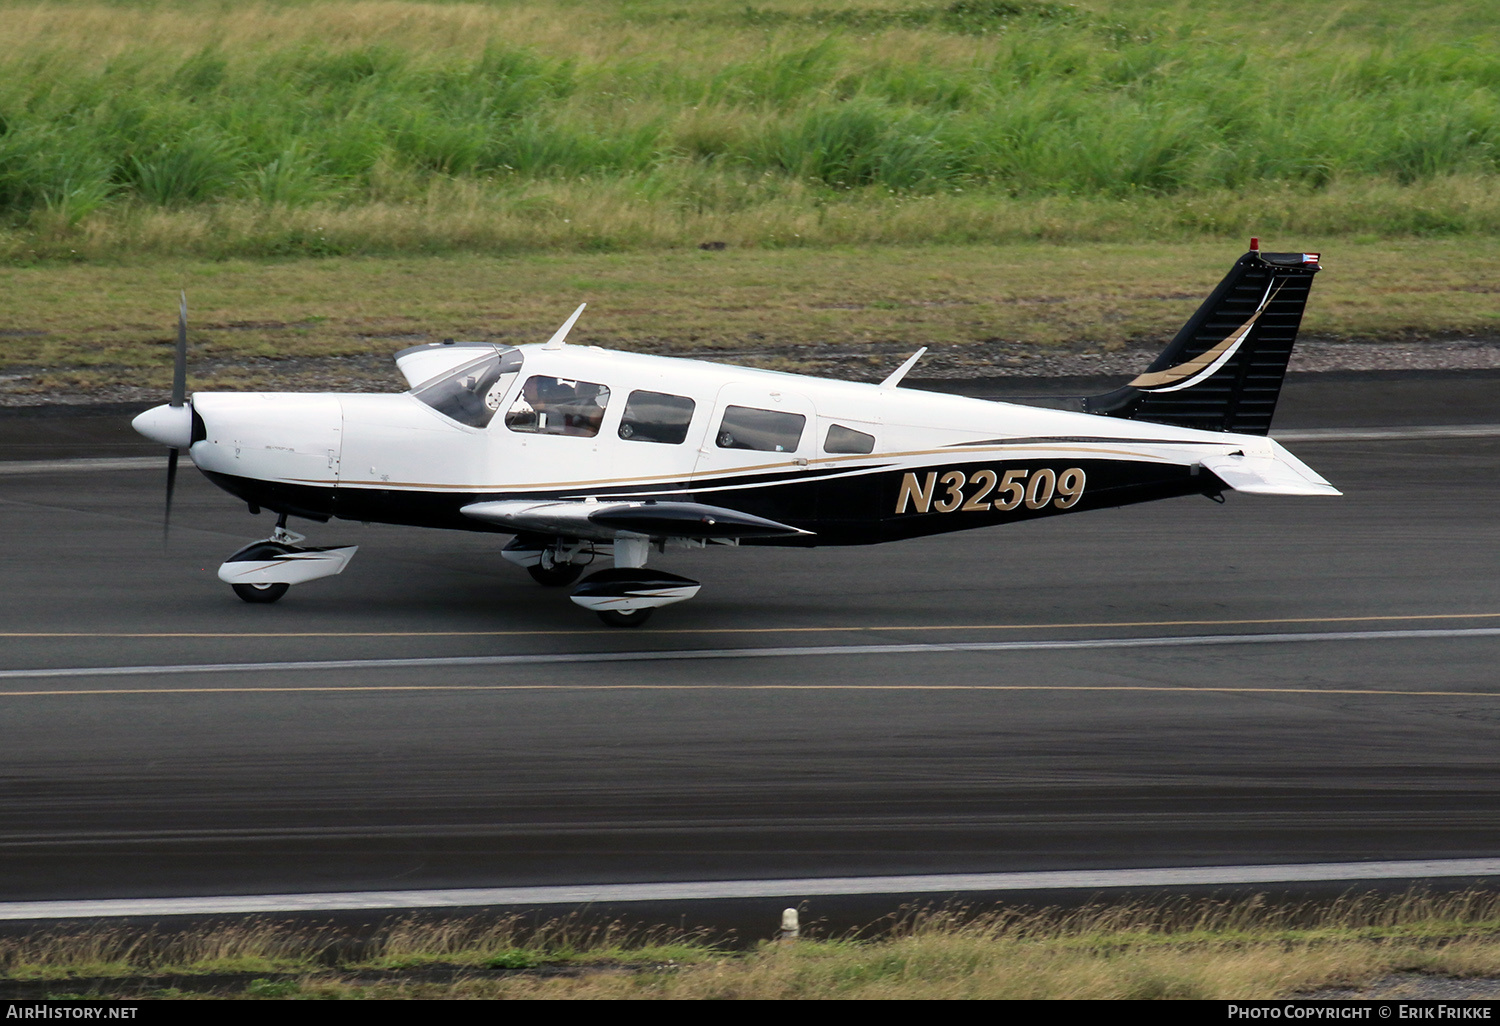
[(166, 520), (179, 366)]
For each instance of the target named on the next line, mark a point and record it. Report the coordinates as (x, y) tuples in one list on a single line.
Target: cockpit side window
[(472, 393), (558, 406), (745, 427), (656, 417)]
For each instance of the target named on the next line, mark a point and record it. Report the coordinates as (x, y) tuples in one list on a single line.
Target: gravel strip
[(1414, 987), (376, 372)]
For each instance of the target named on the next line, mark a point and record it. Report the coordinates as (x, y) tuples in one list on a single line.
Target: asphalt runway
[(1273, 680)]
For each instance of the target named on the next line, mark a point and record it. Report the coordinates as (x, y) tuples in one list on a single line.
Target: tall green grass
[(719, 108), (1201, 948)]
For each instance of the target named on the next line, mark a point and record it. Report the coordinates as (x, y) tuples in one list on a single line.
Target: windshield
[(471, 393)]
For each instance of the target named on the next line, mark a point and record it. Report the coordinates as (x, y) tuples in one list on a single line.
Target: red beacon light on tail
[(1308, 259)]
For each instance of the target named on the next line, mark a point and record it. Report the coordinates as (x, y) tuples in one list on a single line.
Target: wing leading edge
[(604, 520)]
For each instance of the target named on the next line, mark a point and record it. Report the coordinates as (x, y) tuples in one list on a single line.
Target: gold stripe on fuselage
[(876, 459)]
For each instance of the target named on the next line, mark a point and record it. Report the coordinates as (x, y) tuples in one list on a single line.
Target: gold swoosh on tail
[(1172, 375)]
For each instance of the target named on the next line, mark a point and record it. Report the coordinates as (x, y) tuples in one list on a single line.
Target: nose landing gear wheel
[(260, 592), (621, 618)]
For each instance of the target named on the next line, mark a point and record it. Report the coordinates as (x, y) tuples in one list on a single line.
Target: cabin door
[(755, 454)]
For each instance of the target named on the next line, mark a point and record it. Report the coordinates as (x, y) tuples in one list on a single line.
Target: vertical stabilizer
[(1223, 371)]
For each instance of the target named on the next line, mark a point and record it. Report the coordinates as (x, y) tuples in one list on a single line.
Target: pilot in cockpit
[(530, 411), (554, 406)]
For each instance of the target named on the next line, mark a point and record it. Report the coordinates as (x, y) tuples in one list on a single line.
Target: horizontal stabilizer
[(1280, 473), (603, 520)]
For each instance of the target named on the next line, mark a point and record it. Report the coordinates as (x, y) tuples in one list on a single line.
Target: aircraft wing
[(604, 520), (1279, 473)]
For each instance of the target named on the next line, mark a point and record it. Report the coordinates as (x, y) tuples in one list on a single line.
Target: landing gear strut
[(551, 562), (551, 574)]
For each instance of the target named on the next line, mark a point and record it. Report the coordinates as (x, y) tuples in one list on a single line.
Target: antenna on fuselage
[(560, 337), (900, 372)]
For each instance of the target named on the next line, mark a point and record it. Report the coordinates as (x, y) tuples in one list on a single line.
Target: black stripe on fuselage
[(861, 506)]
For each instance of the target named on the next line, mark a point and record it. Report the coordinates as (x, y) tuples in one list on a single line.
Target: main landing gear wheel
[(260, 592), (556, 575), (621, 618)]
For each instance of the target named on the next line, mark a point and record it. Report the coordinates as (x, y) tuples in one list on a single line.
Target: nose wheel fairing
[(269, 562), (263, 570)]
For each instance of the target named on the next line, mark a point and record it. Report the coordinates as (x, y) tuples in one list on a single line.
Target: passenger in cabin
[(586, 411)]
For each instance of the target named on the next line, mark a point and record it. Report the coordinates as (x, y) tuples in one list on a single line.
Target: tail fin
[(1224, 369)]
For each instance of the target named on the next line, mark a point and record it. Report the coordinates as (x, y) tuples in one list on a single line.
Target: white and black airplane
[(582, 453)]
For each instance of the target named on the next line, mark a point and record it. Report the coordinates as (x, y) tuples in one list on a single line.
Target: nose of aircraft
[(172, 426)]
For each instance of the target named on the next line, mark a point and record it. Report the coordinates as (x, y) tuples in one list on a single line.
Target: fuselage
[(850, 463)]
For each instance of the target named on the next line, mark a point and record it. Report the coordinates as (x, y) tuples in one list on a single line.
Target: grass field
[(879, 174), (145, 130), (1204, 949)]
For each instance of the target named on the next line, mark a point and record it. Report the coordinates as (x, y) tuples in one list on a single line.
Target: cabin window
[(558, 406), (471, 394), (745, 427), (656, 417), (847, 440)]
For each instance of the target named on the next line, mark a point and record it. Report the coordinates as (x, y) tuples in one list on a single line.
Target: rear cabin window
[(656, 417), (745, 427), (847, 440), (558, 406)]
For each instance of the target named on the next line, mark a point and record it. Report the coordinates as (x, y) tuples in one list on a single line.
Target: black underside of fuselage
[(839, 509)]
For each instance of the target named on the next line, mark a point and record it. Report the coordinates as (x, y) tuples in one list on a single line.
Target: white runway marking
[(74, 466), (1393, 434), (788, 890), (778, 652)]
